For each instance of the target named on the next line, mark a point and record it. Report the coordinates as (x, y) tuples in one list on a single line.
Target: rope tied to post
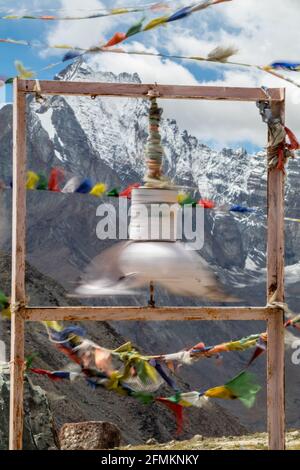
[(279, 150), (18, 362), (38, 92), (17, 307)]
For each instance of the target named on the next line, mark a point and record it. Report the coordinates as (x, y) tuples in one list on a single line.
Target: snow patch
[(58, 155), (46, 121)]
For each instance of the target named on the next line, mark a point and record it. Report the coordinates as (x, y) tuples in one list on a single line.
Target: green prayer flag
[(144, 397), (145, 371), (188, 201), (243, 386), (136, 28), (113, 193), (4, 303), (29, 360), (42, 184)]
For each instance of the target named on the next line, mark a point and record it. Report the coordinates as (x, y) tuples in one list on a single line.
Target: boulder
[(90, 435)]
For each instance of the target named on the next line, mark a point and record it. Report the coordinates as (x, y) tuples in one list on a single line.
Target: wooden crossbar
[(137, 90), (275, 256), (147, 313)]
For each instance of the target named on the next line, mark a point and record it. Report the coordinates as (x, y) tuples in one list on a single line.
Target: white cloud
[(150, 69), (263, 31), (82, 33), (19, 5), (226, 123)]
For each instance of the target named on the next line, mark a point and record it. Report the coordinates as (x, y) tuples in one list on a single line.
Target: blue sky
[(39, 31), (240, 23)]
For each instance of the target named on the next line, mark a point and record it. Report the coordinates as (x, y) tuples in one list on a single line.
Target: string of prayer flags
[(136, 28), (219, 55), (199, 351), (141, 376), (95, 13), (39, 181), (18, 42), (242, 387), (239, 345), (84, 353)]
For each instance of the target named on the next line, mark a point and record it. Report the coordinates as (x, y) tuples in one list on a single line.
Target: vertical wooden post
[(18, 269), (275, 286)]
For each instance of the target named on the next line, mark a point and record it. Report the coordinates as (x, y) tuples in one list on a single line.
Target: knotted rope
[(38, 92), (278, 149), (17, 307)]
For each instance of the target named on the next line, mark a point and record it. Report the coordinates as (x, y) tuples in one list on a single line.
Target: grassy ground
[(251, 442)]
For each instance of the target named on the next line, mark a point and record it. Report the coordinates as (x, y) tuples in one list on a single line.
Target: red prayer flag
[(117, 37)]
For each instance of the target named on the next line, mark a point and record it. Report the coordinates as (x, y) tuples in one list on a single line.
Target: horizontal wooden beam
[(147, 313), (138, 90)]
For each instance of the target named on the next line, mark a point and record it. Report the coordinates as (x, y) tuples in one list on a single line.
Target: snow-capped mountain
[(104, 139)]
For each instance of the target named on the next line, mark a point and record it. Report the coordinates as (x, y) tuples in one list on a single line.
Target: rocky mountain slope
[(104, 139), (39, 433)]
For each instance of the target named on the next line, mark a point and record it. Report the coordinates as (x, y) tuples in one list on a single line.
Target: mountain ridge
[(104, 139)]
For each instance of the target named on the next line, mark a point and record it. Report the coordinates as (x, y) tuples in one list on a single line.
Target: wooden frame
[(272, 313)]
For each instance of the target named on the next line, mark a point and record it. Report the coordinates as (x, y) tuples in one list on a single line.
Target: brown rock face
[(91, 435)]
